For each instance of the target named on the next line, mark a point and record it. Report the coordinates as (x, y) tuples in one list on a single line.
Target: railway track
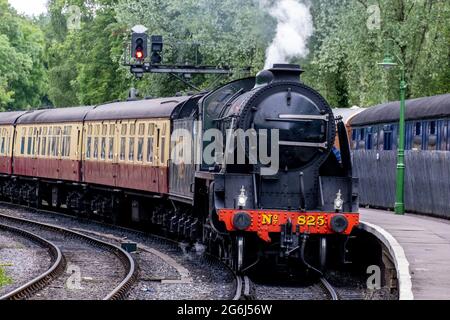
[(90, 255), (331, 292), (244, 288), (247, 290), (199, 266), (57, 266)]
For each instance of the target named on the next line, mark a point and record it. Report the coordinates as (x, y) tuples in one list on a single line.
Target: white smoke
[(294, 28)]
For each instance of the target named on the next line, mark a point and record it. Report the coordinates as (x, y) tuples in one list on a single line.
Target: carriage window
[(35, 135), (151, 129), (50, 139), (58, 140), (150, 149), (43, 145), (95, 153), (140, 155), (33, 140), (141, 129), (39, 140), (132, 129), (88, 147), (417, 139), (44, 141), (112, 129), (433, 127), (131, 149), (369, 139), (360, 139), (375, 138), (122, 148), (63, 146), (29, 145), (53, 146), (163, 144), (387, 139), (432, 137), (104, 129), (2, 148), (418, 128), (66, 141), (111, 149), (124, 129), (103, 149), (2, 142), (444, 135), (8, 144), (163, 150), (67, 146), (354, 139)]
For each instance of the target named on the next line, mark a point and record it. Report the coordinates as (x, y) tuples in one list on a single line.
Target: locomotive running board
[(323, 145)]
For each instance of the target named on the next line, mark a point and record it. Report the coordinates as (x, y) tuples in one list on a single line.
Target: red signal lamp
[(139, 54)]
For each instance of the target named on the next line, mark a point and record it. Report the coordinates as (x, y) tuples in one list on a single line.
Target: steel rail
[(31, 287), (120, 290), (329, 288)]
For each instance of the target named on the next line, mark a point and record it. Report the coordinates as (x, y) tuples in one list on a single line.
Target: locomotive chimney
[(279, 72), (286, 72)]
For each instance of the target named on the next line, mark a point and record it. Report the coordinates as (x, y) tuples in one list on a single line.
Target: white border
[(398, 254)]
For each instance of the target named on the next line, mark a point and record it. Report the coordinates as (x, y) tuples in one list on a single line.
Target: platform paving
[(426, 243)]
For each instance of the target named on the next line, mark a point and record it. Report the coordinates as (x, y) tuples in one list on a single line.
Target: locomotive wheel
[(323, 253), (237, 253)]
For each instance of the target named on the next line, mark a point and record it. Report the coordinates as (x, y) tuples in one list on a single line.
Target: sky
[(29, 7)]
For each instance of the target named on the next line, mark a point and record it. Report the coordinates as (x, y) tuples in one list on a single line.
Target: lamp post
[(389, 63)]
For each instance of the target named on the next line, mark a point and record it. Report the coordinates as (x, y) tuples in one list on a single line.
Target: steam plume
[(294, 28)]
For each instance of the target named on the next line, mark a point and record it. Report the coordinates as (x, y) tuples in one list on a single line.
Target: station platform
[(421, 247)]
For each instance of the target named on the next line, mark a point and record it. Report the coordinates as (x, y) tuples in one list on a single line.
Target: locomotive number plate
[(318, 221)]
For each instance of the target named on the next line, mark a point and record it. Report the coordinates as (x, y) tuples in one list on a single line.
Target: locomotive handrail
[(301, 117), (323, 145)]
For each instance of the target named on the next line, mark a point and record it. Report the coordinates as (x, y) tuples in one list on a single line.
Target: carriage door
[(59, 152), (35, 151), (114, 149)]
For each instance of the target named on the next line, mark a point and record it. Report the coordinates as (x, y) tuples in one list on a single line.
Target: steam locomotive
[(257, 169)]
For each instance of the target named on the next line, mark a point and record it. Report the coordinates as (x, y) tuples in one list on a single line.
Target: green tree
[(233, 32), (23, 79), (346, 49)]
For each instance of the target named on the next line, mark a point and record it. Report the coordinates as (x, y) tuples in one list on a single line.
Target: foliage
[(43, 62), (23, 80), (346, 49), (4, 279), (233, 33)]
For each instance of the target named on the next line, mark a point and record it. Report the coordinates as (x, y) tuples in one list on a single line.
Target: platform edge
[(398, 254)]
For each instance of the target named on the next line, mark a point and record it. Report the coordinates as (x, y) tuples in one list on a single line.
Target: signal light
[(139, 54), (139, 46), (157, 47)]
